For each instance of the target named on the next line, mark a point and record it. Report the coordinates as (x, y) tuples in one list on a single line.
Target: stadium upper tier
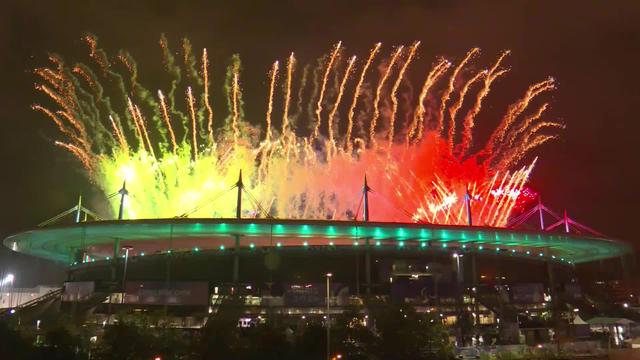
[(96, 240)]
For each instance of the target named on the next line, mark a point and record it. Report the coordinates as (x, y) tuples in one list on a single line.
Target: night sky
[(592, 48)]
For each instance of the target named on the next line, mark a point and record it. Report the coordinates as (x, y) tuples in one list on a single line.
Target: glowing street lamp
[(328, 276), (8, 280), (126, 249)]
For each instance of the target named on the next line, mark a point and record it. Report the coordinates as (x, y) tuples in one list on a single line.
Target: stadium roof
[(59, 243)]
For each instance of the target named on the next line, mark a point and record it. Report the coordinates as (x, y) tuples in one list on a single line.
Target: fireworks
[(177, 161)]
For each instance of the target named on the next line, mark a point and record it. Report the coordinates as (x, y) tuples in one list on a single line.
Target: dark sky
[(591, 47)]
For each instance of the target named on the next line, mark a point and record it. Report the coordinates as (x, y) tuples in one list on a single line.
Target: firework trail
[(514, 111), (458, 104), (134, 115), (167, 121), (143, 129), (325, 78), (273, 74), (376, 102), (194, 129), (118, 133), (236, 113), (423, 179), (331, 148), (287, 96), (356, 94), (469, 119), (205, 76), (450, 88), (418, 118), (394, 92)]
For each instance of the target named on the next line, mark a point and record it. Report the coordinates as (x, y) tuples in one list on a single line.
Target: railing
[(32, 303)]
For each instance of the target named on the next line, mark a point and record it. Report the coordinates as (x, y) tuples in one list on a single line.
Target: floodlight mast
[(365, 217), (240, 187), (123, 192), (365, 193)]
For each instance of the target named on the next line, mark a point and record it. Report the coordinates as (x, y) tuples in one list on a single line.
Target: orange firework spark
[(205, 74), (194, 131), (458, 104), (85, 160), (134, 115), (78, 70), (469, 119), (78, 126), (167, 120), (332, 144), (376, 101), (118, 133), (516, 154), (526, 124), (234, 97), (63, 129), (287, 95), (418, 117), (449, 89), (356, 94), (516, 109), (55, 79), (394, 90), (59, 99), (96, 54), (325, 78), (273, 74), (127, 63), (537, 141), (143, 128)]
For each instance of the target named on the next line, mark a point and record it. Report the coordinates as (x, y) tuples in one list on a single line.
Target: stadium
[(186, 267)]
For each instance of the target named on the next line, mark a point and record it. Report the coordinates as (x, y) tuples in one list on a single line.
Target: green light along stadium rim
[(58, 243)]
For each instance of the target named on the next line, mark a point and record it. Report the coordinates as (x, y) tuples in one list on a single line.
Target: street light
[(124, 275), (9, 280), (328, 276)]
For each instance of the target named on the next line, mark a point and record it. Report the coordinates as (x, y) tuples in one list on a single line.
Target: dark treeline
[(387, 332)]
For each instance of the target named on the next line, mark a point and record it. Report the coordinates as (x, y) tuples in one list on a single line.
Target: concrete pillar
[(554, 300), (357, 272), (236, 260), (367, 265), (624, 264)]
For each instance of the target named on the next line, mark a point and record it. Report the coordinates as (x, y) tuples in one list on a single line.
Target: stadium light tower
[(79, 209), (365, 194), (240, 187), (123, 192), (467, 201), (367, 255)]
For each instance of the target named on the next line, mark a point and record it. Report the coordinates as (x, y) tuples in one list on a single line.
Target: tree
[(127, 340), (351, 338), (264, 342), (60, 344), (12, 344), (405, 334), (311, 344), (219, 337)]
